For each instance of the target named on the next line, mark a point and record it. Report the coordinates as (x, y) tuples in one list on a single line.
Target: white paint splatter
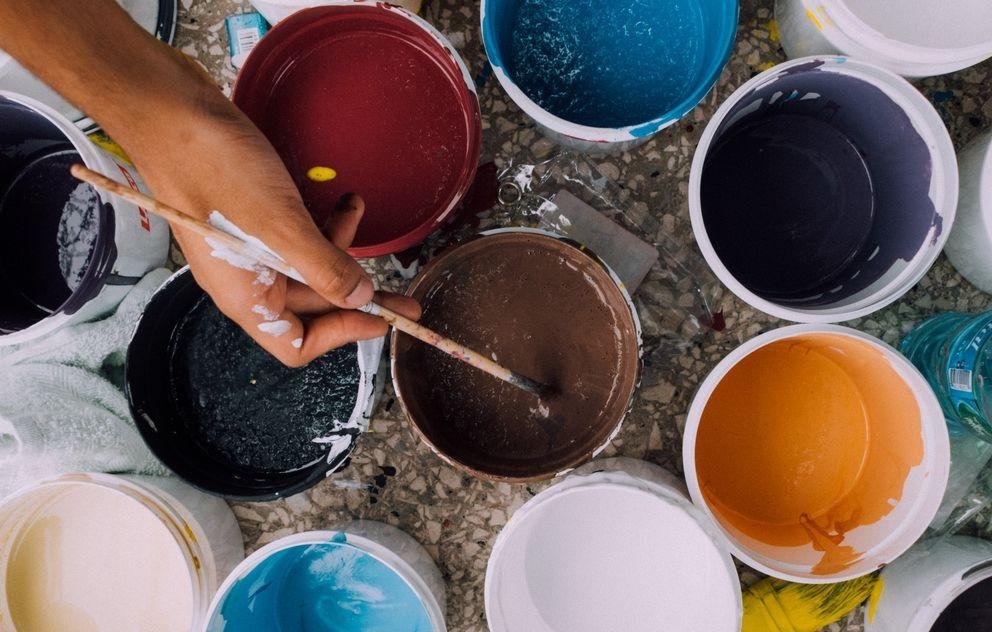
[(275, 328), (297, 342), (265, 312), (266, 276)]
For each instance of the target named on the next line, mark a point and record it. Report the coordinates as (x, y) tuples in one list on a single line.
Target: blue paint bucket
[(605, 76), (365, 576)]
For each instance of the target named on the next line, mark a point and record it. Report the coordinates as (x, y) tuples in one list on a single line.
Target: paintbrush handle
[(452, 348), (418, 331), (178, 218)]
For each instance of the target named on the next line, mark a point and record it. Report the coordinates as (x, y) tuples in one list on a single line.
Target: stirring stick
[(269, 260)]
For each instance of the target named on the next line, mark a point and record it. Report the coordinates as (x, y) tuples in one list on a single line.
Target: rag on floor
[(62, 404)]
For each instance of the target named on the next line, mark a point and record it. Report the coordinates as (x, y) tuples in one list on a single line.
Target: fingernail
[(361, 295), (347, 202)]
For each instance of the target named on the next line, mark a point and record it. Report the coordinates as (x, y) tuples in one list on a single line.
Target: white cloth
[(62, 407)]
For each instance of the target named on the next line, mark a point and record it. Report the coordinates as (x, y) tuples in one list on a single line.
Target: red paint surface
[(369, 93)]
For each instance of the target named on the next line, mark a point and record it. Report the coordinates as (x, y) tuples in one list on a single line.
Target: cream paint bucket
[(274, 11), (362, 576), (820, 452), (113, 553), (922, 587), (616, 545), (914, 38), (969, 247)]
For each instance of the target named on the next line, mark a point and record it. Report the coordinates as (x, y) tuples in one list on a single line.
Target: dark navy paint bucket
[(823, 189), (225, 416), (604, 76)]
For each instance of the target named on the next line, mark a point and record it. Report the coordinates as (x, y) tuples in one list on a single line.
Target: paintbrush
[(270, 260)]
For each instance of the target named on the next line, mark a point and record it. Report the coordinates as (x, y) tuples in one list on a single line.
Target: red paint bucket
[(376, 94)]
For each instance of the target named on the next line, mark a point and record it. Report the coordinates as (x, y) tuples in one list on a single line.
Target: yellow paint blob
[(806, 439), (321, 174)]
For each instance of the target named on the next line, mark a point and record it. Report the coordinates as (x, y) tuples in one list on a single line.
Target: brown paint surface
[(806, 439), (539, 307)]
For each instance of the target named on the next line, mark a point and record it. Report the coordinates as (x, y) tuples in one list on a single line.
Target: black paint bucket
[(823, 189), (227, 417)]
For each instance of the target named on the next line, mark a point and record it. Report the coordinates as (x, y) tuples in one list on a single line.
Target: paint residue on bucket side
[(327, 586), (804, 441)]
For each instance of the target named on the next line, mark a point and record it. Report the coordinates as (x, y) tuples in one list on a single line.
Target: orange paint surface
[(806, 439)]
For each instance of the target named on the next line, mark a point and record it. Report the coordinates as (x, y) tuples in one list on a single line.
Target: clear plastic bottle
[(954, 353)]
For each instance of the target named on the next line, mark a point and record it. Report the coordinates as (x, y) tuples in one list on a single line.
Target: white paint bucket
[(64, 528), (614, 546), (969, 248), (908, 161), (122, 241), (773, 420), (386, 553), (274, 11), (922, 583), (914, 38)]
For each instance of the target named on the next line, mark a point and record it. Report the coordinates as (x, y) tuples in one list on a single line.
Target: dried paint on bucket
[(329, 586), (405, 134), (805, 440), (549, 311)]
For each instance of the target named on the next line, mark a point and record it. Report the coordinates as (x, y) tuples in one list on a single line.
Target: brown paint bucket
[(543, 307)]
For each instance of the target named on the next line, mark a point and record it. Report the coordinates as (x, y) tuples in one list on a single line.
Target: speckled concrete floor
[(394, 479)]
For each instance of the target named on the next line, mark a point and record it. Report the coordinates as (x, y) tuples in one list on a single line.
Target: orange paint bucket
[(820, 452)]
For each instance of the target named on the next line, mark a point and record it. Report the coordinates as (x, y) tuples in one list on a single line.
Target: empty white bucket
[(969, 247)]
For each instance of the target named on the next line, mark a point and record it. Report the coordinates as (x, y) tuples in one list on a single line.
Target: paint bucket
[(375, 578), (823, 189), (546, 309), (68, 253), (820, 451), (606, 76), (113, 552), (275, 11), (921, 586), (251, 429), (969, 247), (914, 38), (158, 17), (616, 545), (405, 134)]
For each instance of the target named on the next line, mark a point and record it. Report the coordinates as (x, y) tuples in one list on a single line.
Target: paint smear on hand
[(321, 174), (275, 327), (805, 440)]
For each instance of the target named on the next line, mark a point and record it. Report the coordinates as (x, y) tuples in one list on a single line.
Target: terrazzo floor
[(394, 479)]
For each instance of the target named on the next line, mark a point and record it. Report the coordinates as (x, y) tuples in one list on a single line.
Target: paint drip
[(606, 64), (805, 440), (970, 612), (250, 412), (332, 587)]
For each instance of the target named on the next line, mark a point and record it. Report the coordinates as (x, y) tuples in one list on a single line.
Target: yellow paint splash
[(107, 144), (773, 30), (321, 174), (772, 605), (812, 18)]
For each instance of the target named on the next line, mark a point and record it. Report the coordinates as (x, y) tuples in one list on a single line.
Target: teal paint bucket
[(605, 76)]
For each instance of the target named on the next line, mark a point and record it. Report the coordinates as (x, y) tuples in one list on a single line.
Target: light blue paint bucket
[(365, 577), (604, 76)]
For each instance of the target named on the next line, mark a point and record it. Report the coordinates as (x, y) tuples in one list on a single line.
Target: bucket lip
[(607, 479), (546, 475), (943, 594), (377, 551), (840, 16), (473, 113), (604, 135), (113, 483), (104, 256), (320, 468), (936, 457), (943, 184)]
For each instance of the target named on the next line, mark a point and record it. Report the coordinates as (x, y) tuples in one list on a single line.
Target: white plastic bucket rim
[(621, 474), (374, 549), (935, 464), (179, 523), (604, 136), (943, 190)]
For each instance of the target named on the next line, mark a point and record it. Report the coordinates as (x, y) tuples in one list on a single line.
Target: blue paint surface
[(331, 586), (611, 63)]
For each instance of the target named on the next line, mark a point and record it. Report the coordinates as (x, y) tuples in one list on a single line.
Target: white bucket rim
[(370, 547), (943, 188), (936, 455), (598, 480), (609, 135), (201, 583), (945, 593)]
